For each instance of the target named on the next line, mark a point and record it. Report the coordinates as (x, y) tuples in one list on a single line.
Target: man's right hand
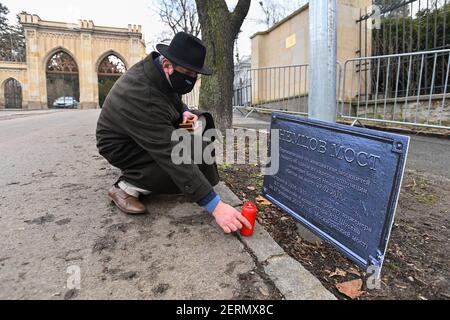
[(229, 219)]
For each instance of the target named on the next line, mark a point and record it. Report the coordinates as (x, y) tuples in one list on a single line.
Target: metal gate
[(63, 89), (13, 94), (110, 69)]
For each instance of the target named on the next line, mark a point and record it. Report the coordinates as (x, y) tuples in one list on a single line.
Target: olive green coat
[(134, 134)]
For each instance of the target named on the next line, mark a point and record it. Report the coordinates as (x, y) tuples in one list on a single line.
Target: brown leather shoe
[(125, 202)]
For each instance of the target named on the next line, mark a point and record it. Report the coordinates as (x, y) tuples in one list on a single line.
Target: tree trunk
[(220, 28)]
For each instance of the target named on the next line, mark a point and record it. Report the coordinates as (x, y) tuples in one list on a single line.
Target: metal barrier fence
[(392, 89), (385, 89), (282, 88)]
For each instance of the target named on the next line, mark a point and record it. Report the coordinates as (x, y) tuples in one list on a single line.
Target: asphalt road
[(429, 155), (57, 226)]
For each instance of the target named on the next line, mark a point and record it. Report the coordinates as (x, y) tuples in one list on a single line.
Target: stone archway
[(13, 94), (63, 86), (109, 70), (43, 79)]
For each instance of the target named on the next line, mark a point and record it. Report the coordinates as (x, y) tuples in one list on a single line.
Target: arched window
[(63, 89), (109, 70), (62, 62), (111, 65), (13, 94)]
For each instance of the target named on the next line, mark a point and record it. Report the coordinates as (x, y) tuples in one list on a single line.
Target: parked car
[(66, 103)]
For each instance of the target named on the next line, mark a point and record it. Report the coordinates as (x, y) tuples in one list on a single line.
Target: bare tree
[(178, 15), (273, 11), (220, 27)]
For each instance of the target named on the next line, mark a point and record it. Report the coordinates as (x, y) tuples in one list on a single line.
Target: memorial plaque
[(340, 182)]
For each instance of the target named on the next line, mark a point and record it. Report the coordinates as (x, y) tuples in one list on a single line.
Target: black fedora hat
[(187, 51)]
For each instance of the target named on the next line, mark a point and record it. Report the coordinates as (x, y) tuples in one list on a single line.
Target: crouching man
[(134, 132)]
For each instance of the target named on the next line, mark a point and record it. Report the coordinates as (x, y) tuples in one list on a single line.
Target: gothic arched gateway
[(64, 60), (13, 94), (109, 71), (63, 86)]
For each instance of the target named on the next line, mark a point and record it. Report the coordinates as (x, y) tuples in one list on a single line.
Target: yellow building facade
[(287, 44)]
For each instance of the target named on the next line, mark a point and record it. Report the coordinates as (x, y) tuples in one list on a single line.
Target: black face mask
[(182, 83)]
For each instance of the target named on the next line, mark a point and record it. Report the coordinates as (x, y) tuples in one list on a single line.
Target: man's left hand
[(189, 117)]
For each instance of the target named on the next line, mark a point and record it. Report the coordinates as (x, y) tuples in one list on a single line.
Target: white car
[(65, 103)]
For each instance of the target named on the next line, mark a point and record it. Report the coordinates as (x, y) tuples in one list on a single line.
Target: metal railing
[(401, 26), (387, 89), (392, 89), (283, 88)]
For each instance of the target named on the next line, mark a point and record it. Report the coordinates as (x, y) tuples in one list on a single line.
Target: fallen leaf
[(354, 272), (338, 272), (263, 201), (264, 292), (400, 287), (421, 282), (351, 289)]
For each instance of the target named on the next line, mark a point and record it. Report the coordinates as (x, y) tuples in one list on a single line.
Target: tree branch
[(238, 15), (179, 15)]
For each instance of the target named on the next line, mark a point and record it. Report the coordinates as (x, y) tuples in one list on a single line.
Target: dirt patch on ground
[(416, 265)]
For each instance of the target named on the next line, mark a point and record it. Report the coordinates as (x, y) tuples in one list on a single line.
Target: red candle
[(249, 211)]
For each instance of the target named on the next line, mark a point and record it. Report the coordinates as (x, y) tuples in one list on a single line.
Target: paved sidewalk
[(55, 218), (8, 114)]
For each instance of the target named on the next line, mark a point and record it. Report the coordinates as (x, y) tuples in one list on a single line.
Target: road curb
[(292, 280)]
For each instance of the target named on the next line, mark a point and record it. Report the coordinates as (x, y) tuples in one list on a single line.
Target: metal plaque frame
[(396, 146)]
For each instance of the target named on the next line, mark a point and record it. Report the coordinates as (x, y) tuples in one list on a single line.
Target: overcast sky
[(120, 13)]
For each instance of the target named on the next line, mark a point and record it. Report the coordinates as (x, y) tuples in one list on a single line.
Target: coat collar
[(154, 74)]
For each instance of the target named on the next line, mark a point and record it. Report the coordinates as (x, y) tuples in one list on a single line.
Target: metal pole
[(323, 60)]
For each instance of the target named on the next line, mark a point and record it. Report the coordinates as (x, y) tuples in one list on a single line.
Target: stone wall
[(297, 104), (287, 44), (410, 111)]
